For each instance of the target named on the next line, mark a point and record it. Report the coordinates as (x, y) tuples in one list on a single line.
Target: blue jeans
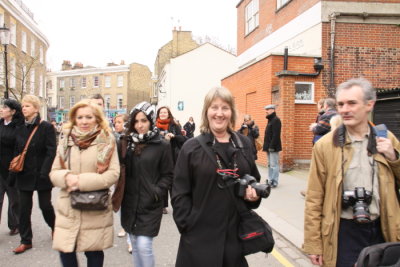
[(142, 251), (273, 167)]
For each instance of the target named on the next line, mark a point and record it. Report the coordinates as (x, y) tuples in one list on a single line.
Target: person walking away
[(272, 144), (35, 174), (351, 200), (11, 119), (149, 171), (250, 129), (203, 210), (323, 125), (190, 127), (87, 160)]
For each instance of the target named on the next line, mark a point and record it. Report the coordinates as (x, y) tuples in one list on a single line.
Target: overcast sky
[(96, 32)]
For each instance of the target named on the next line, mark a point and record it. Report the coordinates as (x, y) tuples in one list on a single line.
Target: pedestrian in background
[(250, 129), (37, 165), (320, 107), (272, 144), (149, 171), (11, 119), (206, 216), (323, 125), (190, 127), (87, 160), (171, 132)]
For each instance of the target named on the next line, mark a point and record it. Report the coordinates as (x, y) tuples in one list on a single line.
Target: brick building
[(328, 42)]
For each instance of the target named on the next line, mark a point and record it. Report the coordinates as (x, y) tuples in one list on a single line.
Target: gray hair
[(366, 86), (330, 102)]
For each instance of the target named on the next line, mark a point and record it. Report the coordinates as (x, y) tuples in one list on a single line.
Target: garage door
[(388, 112)]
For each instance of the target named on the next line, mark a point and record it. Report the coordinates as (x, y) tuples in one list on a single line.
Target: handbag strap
[(30, 137)]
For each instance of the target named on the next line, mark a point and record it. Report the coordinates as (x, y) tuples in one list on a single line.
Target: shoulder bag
[(254, 232), (17, 163)]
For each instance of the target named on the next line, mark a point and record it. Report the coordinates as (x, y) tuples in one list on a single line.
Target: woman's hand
[(71, 180), (251, 194), (169, 136)]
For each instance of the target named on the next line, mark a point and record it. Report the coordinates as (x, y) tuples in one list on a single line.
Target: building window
[(280, 3), (61, 102), (107, 82), (1, 19), (96, 81), (120, 81), (73, 83), (41, 85), (13, 33), (41, 55), (120, 99), (13, 79), (83, 82), (107, 100), (23, 41), (62, 84), (304, 93), (32, 48), (71, 101), (32, 82), (251, 13), (50, 101), (49, 85)]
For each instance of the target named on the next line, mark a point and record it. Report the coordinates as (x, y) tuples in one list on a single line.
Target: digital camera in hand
[(359, 199), (262, 190)]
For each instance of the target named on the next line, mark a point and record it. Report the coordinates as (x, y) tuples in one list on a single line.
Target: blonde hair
[(226, 96), (97, 112), (32, 99), (124, 117)]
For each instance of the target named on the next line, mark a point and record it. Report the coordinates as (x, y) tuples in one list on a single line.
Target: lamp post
[(5, 40)]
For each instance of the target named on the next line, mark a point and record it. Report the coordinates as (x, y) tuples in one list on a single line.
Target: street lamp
[(5, 40)]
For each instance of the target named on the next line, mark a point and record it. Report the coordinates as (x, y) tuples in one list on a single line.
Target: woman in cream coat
[(86, 160)]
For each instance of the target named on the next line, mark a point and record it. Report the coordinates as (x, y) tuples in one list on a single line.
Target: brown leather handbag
[(17, 163)]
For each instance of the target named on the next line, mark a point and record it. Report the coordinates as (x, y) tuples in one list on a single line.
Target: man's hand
[(251, 194), (385, 147), (316, 259)]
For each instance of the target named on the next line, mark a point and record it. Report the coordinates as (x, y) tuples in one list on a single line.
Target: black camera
[(359, 199), (262, 190)]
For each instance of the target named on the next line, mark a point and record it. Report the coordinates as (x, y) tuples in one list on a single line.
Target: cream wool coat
[(83, 230)]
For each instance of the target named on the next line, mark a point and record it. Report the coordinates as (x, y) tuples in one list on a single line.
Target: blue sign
[(180, 105)]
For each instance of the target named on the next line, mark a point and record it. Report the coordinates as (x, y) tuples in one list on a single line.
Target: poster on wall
[(180, 105)]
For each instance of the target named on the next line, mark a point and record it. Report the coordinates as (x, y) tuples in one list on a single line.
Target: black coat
[(176, 142), (148, 176), (272, 137), (252, 133), (39, 157), (7, 145), (205, 215), (189, 128)]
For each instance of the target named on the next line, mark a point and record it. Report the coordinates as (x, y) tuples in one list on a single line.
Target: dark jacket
[(323, 125), (39, 157), (272, 137), (176, 142), (205, 215), (252, 133), (7, 145), (148, 176), (189, 128)]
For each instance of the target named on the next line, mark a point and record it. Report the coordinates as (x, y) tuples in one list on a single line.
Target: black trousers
[(94, 259), (25, 227), (353, 237), (13, 203)]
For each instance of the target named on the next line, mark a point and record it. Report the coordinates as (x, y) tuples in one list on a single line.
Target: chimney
[(78, 65), (111, 64), (122, 62), (66, 65)]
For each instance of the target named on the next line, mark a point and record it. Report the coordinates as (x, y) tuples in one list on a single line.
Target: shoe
[(303, 193), (165, 211), (22, 248), (130, 248), (14, 232), (121, 233)]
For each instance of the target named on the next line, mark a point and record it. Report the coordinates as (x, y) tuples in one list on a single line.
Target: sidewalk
[(284, 208)]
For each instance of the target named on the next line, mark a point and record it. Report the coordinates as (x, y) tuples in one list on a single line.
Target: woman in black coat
[(189, 127), (11, 118), (35, 174), (203, 208), (149, 167)]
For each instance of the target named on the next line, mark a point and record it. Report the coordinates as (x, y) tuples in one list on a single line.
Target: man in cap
[(272, 144)]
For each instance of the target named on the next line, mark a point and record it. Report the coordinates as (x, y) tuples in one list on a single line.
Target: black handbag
[(254, 232), (91, 200)]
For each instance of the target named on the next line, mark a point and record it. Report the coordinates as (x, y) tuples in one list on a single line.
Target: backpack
[(380, 255)]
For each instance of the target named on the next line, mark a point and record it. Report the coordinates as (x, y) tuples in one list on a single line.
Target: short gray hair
[(366, 86)]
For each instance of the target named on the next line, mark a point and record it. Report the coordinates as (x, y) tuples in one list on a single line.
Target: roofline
[(86, 71)]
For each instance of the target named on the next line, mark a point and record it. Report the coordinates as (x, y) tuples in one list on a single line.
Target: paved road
[(165, 247)]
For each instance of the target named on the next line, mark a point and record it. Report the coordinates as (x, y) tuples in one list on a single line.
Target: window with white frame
[(96, 81), (1, 19), (41, 55), (41, 85), (50, 100), (13, 79), (2, 74), (23, 41), (120, 99), (32, 48), (24, 81), (280, 3), (83, 82), (62, 84), (32, 81), (251, 15), (73, 83), (107, 82), (71, 101), (304, 92), (120, 81), (61, 102), (107, 100), (13, 33)]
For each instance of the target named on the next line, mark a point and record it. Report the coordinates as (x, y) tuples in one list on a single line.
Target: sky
[(96, 32)]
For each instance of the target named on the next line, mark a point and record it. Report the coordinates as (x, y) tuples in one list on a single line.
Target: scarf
[(105, 146), (163, 124), (135, 138)]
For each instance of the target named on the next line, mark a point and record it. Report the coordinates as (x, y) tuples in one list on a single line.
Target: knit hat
[(147, 109)]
